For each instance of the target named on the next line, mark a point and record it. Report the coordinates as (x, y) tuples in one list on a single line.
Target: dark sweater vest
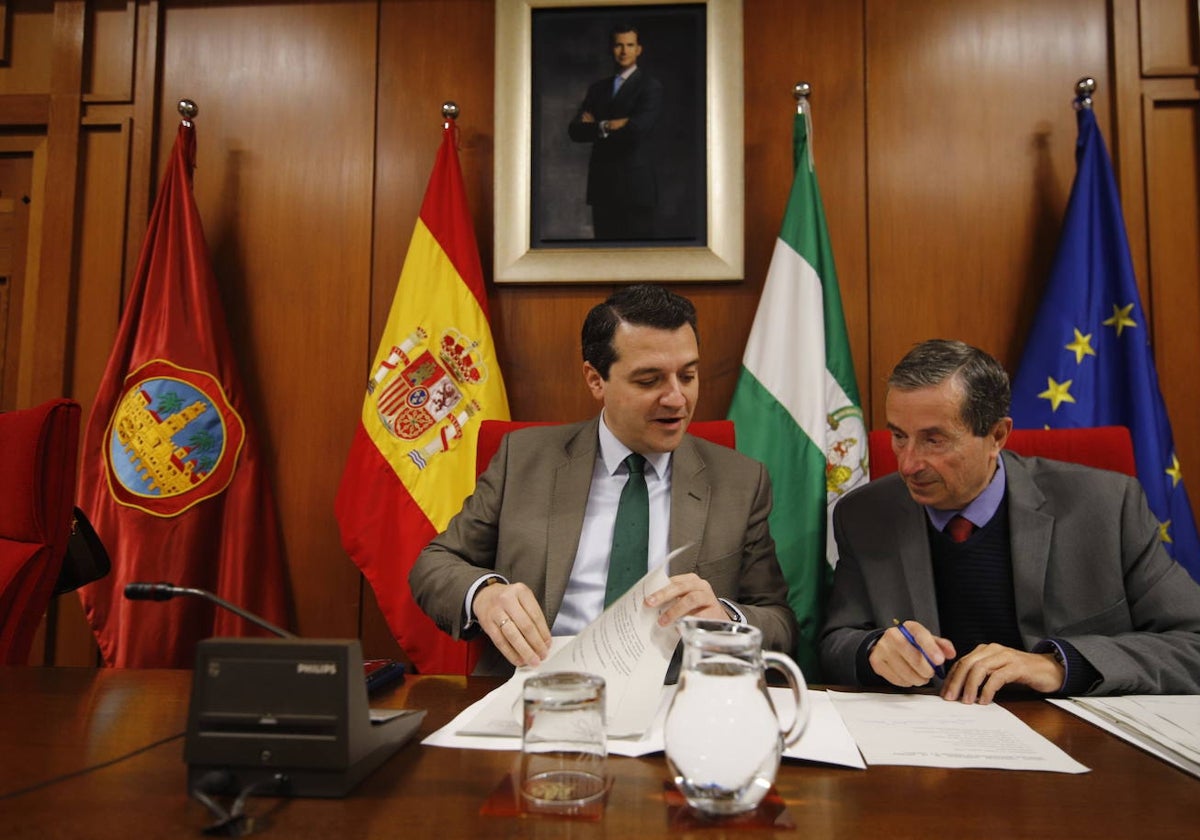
[(974, 584)]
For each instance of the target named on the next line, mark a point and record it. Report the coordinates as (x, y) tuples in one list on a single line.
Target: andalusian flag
[(434, 378), (796, 404)]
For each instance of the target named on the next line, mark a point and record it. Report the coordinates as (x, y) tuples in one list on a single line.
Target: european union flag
[(1088, 361)]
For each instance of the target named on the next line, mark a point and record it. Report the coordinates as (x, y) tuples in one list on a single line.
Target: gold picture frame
[(720, 256)]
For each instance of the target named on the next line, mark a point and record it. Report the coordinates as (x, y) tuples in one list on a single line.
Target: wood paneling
[(1173, 197), (109, 57), (782, 48), (1169, 38), (286, 136), (943, 136), (45, 339), (29, 39), (970, 144)]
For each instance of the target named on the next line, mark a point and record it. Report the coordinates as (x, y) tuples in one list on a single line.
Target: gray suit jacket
[(1088, 568), (524, 520)]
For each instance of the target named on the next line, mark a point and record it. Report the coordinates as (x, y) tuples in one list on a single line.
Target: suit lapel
[(627, 87), (1029, 536), (572, 482), (690, 496), (916, 562)]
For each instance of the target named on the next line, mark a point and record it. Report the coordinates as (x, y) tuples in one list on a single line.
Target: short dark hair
[(620, 28), (986, 392), (644, 305)]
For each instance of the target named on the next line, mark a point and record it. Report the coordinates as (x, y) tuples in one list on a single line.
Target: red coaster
[(771, 813), (506, 801)]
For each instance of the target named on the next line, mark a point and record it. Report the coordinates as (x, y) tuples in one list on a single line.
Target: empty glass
[(563, 744)]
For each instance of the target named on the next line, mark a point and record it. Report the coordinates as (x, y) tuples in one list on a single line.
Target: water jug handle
[(791, 671)]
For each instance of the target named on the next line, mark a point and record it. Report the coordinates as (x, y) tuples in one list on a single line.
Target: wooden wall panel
[(30, 38), (944, 143), (970, 155), (1173, 196), (1168, 37), (413, 84), (782, 48), (108, 60), (286, 136)]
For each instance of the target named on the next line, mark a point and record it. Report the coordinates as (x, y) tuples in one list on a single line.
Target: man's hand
[(618, 123), (513, 620), (683, 595), (587, 117), (981, 673), (897, 661)]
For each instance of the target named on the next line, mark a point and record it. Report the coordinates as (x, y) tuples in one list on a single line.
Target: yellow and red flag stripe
[(434, 377)]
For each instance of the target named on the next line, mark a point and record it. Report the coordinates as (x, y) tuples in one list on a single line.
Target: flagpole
[(187, 109), (801, 91), (1084, 89)]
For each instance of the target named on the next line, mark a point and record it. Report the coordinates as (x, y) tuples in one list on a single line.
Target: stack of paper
[(1167, 726)]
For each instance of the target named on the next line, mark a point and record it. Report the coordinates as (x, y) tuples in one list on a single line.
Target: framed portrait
[(618, 141)]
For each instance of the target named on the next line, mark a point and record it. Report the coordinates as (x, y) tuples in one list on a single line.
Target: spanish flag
[(434, 377)]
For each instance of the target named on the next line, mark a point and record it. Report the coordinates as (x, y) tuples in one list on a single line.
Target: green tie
[(631, 536)]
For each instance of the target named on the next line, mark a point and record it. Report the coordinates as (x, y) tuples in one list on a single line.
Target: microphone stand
[(166, 591)]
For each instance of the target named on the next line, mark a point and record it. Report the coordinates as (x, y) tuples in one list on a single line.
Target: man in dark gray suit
[(617, 117), (1019, 571), (529, 552)]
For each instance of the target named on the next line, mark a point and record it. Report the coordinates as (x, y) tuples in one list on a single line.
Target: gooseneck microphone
[(166, 591)]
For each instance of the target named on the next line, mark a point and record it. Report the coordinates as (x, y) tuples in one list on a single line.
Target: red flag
[(172, 478), (434, 378)]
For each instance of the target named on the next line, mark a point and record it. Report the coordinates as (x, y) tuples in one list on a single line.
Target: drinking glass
[(563, 744)]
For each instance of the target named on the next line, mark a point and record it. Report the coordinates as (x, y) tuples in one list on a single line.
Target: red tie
[(960, 529)]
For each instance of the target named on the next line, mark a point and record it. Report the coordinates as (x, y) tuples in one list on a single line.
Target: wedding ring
[(503, 621)]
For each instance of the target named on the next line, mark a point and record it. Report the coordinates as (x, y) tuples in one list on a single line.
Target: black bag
[(86, 559)]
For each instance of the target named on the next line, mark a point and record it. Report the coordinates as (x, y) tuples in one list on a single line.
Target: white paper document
[(924, 730), (625, 646), (825, 740), (1167, 726)]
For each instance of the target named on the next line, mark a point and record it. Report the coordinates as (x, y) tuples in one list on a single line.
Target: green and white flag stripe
[(796, 404)]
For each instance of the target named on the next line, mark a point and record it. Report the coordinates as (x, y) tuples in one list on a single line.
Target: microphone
[(141, 591), (264, 711)]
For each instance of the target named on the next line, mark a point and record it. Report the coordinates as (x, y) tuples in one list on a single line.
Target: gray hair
[(984, 382)]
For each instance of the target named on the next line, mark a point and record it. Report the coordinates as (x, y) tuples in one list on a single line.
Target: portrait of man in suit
[(617, 117), (618, 126)]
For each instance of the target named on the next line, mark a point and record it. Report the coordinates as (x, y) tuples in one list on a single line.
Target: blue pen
[(937, 669)]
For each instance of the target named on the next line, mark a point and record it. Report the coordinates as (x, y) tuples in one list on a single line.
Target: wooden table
[(56, 721)]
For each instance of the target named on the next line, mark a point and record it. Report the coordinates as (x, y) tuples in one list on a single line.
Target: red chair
[(1106, 447), (491, 431), (39, 448)]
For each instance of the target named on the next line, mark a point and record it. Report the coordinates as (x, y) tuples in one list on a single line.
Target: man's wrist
[(473, 593)]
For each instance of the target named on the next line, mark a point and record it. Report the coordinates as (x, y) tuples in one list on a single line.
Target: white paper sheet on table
[(625, 645), (1166, 726), (923, 730), (825, 740)]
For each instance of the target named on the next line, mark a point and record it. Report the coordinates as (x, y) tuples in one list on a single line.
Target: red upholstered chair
[(491, 431), (39, 448), (1106, 447)]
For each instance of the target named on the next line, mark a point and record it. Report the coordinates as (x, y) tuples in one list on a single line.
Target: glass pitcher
[(722, 736)]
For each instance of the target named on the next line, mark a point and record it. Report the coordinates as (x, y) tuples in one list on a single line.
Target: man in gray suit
[(1019, 571), (528, 555)]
